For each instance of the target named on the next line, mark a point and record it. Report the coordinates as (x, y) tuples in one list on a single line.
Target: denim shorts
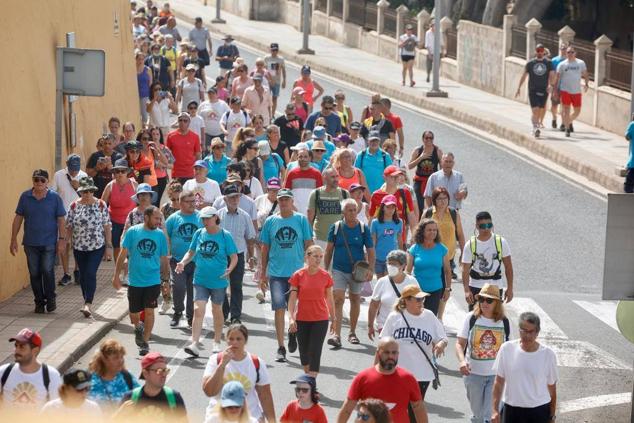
[(275, 90), (280, 289), (380, 266), (344, 281), (202, 293)]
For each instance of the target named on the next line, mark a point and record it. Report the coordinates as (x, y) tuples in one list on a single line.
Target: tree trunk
[(494, 12), (447, 7)]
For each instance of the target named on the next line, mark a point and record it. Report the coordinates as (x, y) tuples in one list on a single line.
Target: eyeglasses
[(39, 180), (362, 416), (183, 120), (160, 372), (302, 390), (485, 300), (442, 199), (528, 332), (418, 300), (485, 225)]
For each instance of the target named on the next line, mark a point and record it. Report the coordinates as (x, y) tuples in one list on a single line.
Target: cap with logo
[(374, 136), (354, 187), (78, 379), (27, 336), (275, 46), (355, 125), (133, 145), (73, 162), (231, 190), (273, 183), (201, 163), (285, 192), (40, 173)]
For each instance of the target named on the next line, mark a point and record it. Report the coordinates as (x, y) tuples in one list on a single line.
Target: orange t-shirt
[(311, 294), (293, 413), (142, 167)]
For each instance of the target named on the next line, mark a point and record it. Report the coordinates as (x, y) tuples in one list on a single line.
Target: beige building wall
[(31, 32)]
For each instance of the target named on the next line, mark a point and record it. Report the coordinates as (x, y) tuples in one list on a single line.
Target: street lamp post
[(305, 28), (435, 90), (632, 113), (218, 19)]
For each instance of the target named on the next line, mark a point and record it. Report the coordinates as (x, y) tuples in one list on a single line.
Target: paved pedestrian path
[(590, 152)]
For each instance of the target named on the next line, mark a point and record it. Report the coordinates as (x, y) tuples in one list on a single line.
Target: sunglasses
[(328, 108), (302, 390), (162, 371), (485, 225), (40, 180), (428, 138), (364, 417), (191, 108), (418, 300), (485, 300), (232, 407)]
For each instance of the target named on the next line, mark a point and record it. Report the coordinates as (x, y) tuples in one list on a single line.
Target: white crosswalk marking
[(594, 401), (602, 310), (454, 316), (549, 329)]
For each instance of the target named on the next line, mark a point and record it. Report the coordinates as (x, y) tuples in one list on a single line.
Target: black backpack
[(505, 321)]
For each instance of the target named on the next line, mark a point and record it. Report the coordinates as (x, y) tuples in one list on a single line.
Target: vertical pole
[(435, 90), (632, 113), (306, 28), (72, 126), (218, 19), (59, 108)]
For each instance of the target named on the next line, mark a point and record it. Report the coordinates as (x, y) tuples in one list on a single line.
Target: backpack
[(344, 194), (505, 321), (45, 378), (254, 358), (169, 394), (430, 210), (498, 248), (363, 153), (244, 112), (128, 379)]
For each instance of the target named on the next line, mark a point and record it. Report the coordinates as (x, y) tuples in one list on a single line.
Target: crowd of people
[(318, 207)]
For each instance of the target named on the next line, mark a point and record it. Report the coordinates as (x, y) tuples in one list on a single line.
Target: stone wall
[(480, 56)]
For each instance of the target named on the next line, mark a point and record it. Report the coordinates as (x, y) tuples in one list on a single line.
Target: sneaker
[(281, 355), (567, 132), (144, 348), (236, 321), (138, 335), (76, 276), (554, 123), (292, 342), (427, 79), (51, 306), (190, 320), (65, 280), (216, 348), (562, 128), (39, 309), (176, 318), (571, 128), (192, 350), (537, 133), (260, 297), (165, 307), (454, 276)]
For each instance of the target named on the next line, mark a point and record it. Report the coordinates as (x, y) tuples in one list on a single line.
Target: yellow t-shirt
[(170, 54), (447, 231)]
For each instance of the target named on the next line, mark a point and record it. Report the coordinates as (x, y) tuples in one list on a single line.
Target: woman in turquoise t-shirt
[(211, 248), (430, 262), (386, 230)]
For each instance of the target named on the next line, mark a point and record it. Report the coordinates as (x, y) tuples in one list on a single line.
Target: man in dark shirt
[(161, 69), (226, 54), (541, 76), (154, 394), (333, 121), (291, 126), (377, 122), (99, 166)]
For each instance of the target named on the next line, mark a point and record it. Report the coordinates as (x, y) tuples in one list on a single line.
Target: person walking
[(160, 67), (303, 180), (205, 190), (285, 237), (387, 230), (351, 251), (426, 160), (554, 98), (568, 87), (324, 206), (226, 54), (429, 261), (541, 75), (185, 146), (482, 259), (211, 110), (448, 178), (483, 332), (310, 307), (407, 43), (373, 161), (429, 46), (160, 105), (199, 35), (100, 163), (189, 88), (276, 66), (145, 247), (144, 82), (306, 407), (42, 211), (628, 185), (180, 228), (517, 362), (308, 87), (73, 402), (90, 230), (215, 255)]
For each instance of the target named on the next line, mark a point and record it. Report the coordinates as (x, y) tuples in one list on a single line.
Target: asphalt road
[(555, 229)]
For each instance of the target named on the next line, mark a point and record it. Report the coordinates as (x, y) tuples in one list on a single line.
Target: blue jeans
[(480, 396), (280, 289), (88, 263), (41, 263)]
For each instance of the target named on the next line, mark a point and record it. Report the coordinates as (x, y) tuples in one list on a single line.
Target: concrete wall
[(613, 109), (27, 84), (480, 56), (240, 8), (513, 69), (290, 13)]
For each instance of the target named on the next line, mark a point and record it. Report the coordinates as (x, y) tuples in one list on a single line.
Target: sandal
[(352, 338), (335, 341)]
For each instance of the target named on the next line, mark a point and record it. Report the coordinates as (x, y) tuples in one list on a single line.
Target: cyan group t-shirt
[(145, 249), (180, 230), (272, 166), (285, 238), (356, 242), (387, 234), (212, 252), (630, 132), (428, 263)]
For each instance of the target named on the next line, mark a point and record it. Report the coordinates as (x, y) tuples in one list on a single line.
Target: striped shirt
[(239, 225)]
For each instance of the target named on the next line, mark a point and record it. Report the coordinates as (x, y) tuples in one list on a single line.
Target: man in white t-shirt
[(232, 120), (211, 111), (359, 143), (568, 87), (526, 377), (483, 258), (65, 183), (429, 46), (205, 190), (408, 43), (27, 384)]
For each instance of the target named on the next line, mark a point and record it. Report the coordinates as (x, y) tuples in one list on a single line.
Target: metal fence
[(550, 40), (357, 12), (619, 69), (321, 5), (337, 8), (518, 42), (452, 43), (389, 23)]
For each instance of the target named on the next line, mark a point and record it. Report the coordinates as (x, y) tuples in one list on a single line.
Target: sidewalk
[(66, 333), (589, 152)]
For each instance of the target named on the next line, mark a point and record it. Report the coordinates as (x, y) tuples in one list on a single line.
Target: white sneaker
[(165, 307), (192, 350), (217, 347)]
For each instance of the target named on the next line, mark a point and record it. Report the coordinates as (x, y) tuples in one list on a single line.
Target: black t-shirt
[(538, 72), (102, 177), (198, 62), (384, 127), (281, 147), (290, 130), (157, 406), (160, 67)]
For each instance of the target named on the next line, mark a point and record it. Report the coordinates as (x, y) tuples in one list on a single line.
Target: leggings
[(310, 340), (433, 301), (419, 190), (423, 389), (160, 187)]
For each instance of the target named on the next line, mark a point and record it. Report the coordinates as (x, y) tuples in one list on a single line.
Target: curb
[(609, 181)]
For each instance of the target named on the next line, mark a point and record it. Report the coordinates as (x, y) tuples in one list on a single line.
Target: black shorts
[(406, 59), (140, 298), (537, 99)]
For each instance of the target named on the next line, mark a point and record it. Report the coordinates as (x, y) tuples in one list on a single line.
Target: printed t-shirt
[(387, 234), (356, 242), (527, 374), (234, 121), (180, 230), (272, 166), (327, 212), (293, 413), (302, 182), (243, 371), (212, 252), (184, 148), (411, 42), (207, 192), (373, 166), (483, 343), (428, 266), (211, 114), (570, 75), (426, 329), (311, 293), (145, 249), (110, 392), (274, 65), (538, 74), (285, 238), (26, 390), (385, 295), (486, 261), (396, 390)]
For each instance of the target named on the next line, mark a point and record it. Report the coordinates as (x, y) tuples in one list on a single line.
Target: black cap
[(235, 99), (78, 379), (275, 46), (305, 69), (133, 145), (40, 173)]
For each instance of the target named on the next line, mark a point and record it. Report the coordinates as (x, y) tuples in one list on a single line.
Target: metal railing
[(357, 12), (321, 5), (389, 23), (550, 40), (337, 8), (518, 42), (452, 43), (618, 73)]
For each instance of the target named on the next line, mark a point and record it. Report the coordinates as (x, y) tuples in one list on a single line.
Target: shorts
[(117, 231), (406, 58), (343, 281), (537, 99), (202, 293), (275, 90), (568, 99), (280, 288), (380, 266), (142, 297)]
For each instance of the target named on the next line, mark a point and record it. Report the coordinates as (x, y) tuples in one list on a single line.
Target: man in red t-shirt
[(404, 201), (396, 122), (303, 180), (185, 146), (395, 386)]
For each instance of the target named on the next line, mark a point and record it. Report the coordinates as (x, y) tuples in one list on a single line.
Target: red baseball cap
[(392, 171), (28, 336), (150, 359)]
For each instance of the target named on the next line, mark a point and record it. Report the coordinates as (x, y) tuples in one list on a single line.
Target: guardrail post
[(532, 28), (346, 11), (401, 12), (602, 46), (380, 15), (507, 30), (423, 19), (566, 35)]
